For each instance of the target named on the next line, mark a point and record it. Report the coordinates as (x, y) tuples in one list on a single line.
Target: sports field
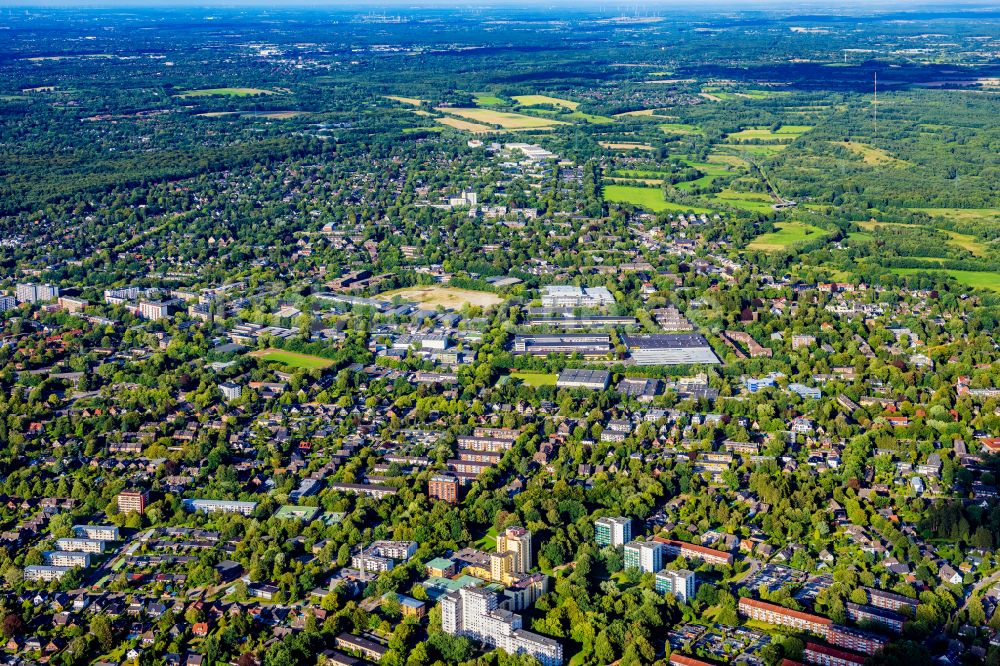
[(647, 197), (536, 100), (226, 92), (788, 233), (536, 379), (504, 119), (292, 359), (447, 297)]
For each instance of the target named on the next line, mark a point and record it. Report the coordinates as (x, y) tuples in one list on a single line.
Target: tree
[(101, 628), (13, 625)]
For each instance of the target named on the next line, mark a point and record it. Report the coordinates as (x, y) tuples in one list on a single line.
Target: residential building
[(65, 558), (231, 391), (691, 551), (7, 303), (70, 304), (824, 655), (78, 545), (517, 541), (443, 487), (130, 501), (571, 296), (856, 640), (101, 532), (36, 293), (44, 573), (220, 506), (153, 311), (368, 649), (645, 555), (475, 613), (681, 583), (611, 531), (873, 615), (763, 611)]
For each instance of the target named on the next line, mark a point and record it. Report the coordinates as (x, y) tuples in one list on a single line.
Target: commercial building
[(681, 583), (692, 551), (220, 506), (41, 572), (611, 531), (476, 613), (132, 501), (763, 611), (670, 349), (644, 555), (36, 293), (587, 345), (443, 487), (596, 380), (571, 296)]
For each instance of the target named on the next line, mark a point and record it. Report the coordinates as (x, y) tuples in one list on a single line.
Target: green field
[(536, 379), (292, 359), (975, 279), (537, 100), (487, 99), (964, 241), (755, 202), (788, 233), (647, 197), (226, 92), (964, 214), (679, 128)]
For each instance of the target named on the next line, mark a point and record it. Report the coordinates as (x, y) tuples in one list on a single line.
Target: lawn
[(226, 92), (537, 100), (647, 197), (787, 234), (975, 279), (447, 297), (536, 379), (292, 359), (504, 119), (488, 542)]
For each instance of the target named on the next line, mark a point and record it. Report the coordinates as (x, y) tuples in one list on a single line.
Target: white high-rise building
[(645, 555), (476, 613), (681, 583), (36, 293), (613, 531)]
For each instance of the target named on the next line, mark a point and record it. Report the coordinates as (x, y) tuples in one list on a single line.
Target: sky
[(610, 5)]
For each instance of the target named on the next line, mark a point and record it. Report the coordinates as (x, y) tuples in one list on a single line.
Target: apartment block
[(681, 583), (613, 531), (644, 555)]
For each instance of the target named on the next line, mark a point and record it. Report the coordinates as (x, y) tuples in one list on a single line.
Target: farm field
[(624, 145), (448, 297), (536, 100), (788, 233), (535, 379), (975, 279), (412, 101), (647, 197), (292, 359), (783, 133), (679, 128), (964, 214), (226, 92), (475, 128), (504, 119)]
